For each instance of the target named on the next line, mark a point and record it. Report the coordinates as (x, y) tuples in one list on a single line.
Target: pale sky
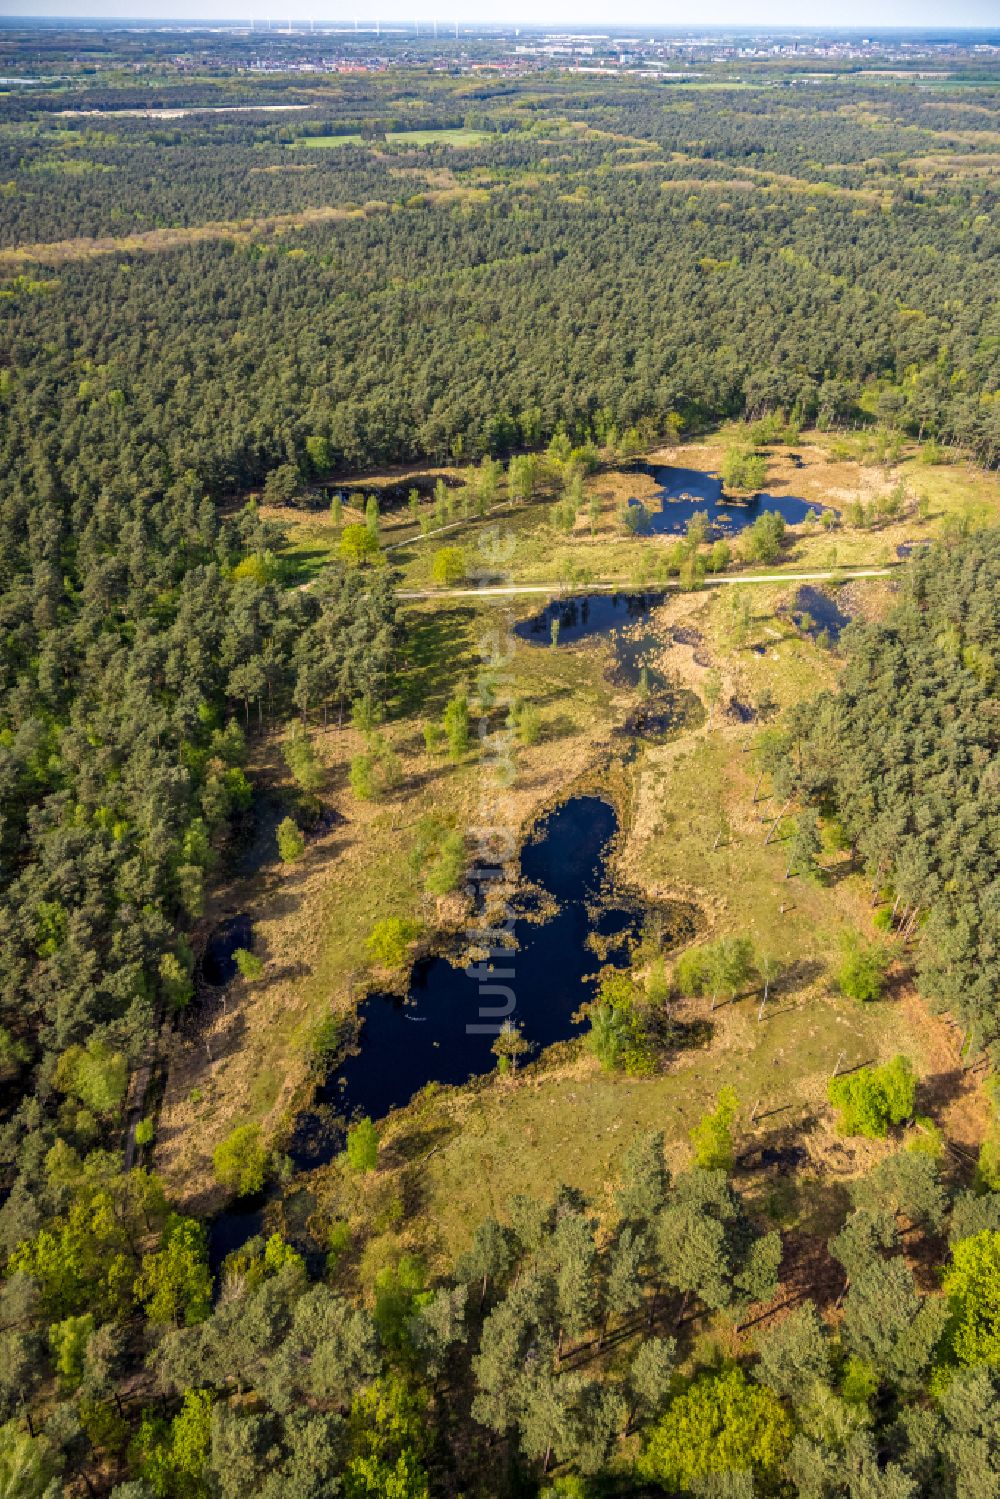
[(868, 14)]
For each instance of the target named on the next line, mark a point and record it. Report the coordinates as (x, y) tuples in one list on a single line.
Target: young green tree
[(873, 1098), (805, 845), (240, 1160), (68, 1341), (509, 1046), (358, 545), (449, 566), (362, 778), (763, 541), (291, 843), (300, 756), (390, 940), (649, 1377), (526, 721), (444, 873), (362, 1146), (712, 1137), (863, 969), (175, 1283), (712, 691), (743, 470), (720, 1424), (768, 968), (728, 966), (95, 1075), (972, 1290), (249, 964), (456, 725), (620, 1033)]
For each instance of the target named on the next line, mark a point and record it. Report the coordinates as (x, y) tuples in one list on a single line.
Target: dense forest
[(907, 753), (603, 258)]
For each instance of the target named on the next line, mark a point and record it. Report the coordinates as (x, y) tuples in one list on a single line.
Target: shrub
[(362, 1146), (863, 968), (449, 566), (240, 1161), (712, 1136), (291, 843), (872, 1098), (390, 940), (250, 966)]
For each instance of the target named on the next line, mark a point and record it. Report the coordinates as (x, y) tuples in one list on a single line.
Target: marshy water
[(568, 922), (585, 616), (685, 492), (218, 966), (443, 1029), (817, 612)]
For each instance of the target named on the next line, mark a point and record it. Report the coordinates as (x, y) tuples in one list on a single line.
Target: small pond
[(218, 966), (437, 1033), (665, 715), (685, 492), (598, 614), (585, 615), (911, 549), (818, 613)]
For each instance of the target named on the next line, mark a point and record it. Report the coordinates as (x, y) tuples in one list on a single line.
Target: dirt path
[(622, 586)]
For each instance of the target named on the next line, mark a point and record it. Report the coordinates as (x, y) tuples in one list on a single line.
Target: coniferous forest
[(343, 384)]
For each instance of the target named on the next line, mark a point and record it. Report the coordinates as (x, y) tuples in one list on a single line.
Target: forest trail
[(623, 586)]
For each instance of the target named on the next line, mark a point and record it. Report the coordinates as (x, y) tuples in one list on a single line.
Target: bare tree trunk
[(774, 825)]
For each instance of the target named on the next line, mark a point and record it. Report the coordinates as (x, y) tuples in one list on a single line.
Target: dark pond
[(911, 549), (687, 491), (585, 615), (667, 713), (230, 1230), (824, 613), (595, 614), (635, 658), (218, 966), (443, 1030)]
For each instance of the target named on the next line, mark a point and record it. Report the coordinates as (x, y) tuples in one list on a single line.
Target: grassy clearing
[(456, 1155), (833, 471), (248, 1060), (457, 137), (564, 1120)]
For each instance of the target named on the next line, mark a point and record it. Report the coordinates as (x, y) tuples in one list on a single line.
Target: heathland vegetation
[(269, 413)]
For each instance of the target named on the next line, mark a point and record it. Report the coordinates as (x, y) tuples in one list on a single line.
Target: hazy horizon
[(893, 15)]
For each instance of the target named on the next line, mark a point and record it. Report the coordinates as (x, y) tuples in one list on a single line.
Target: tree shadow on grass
[(940, 1089), (441, 651)]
